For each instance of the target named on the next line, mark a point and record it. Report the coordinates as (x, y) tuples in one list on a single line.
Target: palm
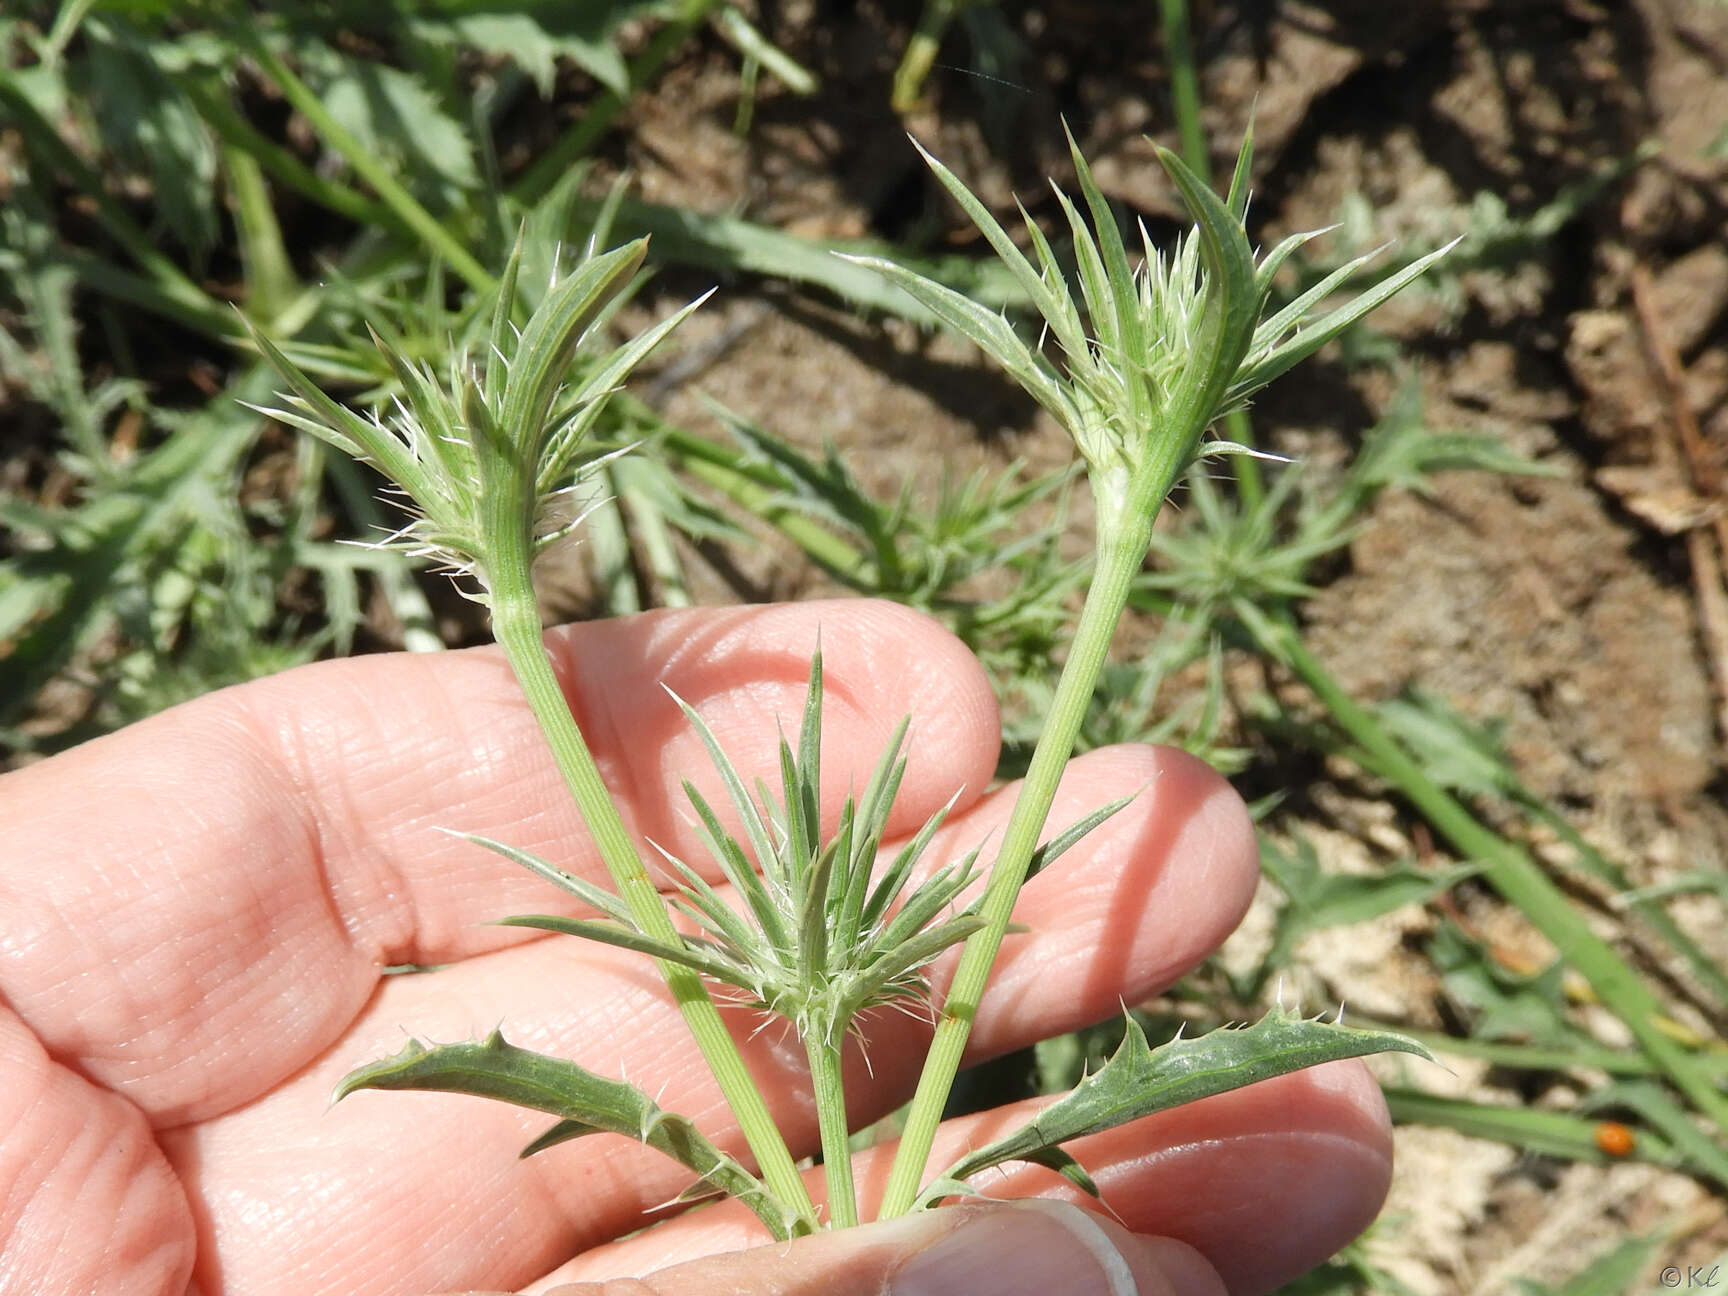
[(193, 931)]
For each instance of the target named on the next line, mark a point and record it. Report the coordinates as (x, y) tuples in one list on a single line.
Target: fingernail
[(1027, 1248)]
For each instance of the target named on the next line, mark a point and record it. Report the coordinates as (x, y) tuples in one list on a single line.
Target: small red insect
[(1615, 1139)]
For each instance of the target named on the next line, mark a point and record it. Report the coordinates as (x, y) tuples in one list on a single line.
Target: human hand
[(197, 911)]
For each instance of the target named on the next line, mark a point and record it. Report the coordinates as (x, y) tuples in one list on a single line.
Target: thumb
[(1025, 1248)]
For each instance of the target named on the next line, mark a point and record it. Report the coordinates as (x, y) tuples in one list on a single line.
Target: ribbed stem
[(825, 1083), (1119, 558), (516, 625)]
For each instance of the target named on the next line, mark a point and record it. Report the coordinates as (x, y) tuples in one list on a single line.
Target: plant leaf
[(1052, 850), (522, 39), (1231, 300), (624, 938), (989, 330), (145, 116), (549, 341), (498, 1069), (1139, 1080), (1306, 341), (583, 890), (395, 116), (1066, 1166)]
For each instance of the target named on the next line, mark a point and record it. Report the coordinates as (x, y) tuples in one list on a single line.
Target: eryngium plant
[(1148, 356), (493, 455), (818, 942), (490, 455)]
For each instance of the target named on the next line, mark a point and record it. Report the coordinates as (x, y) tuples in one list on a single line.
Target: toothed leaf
[(559, 1087), (1139, 1080)]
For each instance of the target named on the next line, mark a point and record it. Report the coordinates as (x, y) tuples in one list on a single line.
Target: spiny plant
[(1147, 359), (494, 456)]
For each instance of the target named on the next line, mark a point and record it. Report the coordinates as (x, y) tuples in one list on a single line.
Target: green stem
[(389, 190), (921, 51), (830, 1093), (1185, 87), (516, 625), (213, 105), (1119, 558), (1509, 869)]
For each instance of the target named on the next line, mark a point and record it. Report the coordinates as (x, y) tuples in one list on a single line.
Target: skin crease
[(196, 911)]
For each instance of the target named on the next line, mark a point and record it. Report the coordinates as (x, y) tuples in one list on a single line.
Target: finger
[(393, 1168), (1265, 1182), (87, 1200), (1028, 1248), (1140, 901), (201, 903)]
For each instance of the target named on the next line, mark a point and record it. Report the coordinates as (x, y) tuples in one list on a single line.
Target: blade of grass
[(238, 133), (718, 467), (1436, 735), (201, 314), (270, 280), (651, 527), (921, 50), (1546, 1133), (743, 36), (732, 245), (1707, 970), (172, 285), (1506, 867), (1537, 1057), (407, 209), (607, 539)]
